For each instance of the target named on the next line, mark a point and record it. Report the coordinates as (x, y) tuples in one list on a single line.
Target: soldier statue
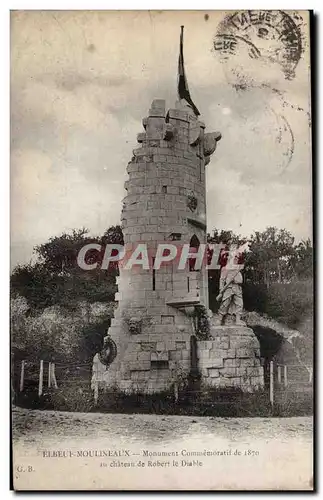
[(230, 293)]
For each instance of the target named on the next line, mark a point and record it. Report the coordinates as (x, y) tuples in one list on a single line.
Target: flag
[(182, 89)]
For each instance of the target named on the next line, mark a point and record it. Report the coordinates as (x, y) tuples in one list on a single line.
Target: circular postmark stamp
[(272, 36)]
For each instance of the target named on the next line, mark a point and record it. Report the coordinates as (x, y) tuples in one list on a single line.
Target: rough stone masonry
[(156, 313)]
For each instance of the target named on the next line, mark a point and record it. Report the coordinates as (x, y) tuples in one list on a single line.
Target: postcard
[(161, 250)]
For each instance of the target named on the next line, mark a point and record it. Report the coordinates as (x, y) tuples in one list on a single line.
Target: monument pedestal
[(231, 359)]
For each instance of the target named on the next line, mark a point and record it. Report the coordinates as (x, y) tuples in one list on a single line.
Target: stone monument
[(160, 310), (162, 330), (165, 203)]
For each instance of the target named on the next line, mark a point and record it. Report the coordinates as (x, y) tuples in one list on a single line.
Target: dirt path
[(234, 452)]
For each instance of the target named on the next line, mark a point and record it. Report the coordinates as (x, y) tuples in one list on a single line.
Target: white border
[(4, 171)]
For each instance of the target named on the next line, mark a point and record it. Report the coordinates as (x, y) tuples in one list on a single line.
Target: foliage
[(70, 398), (289, 404), (59, 254), (302, 259), (226, 237), (290, 303), (18, 321), (202, 322), (272, 256), (52, 298), (56, 278), (277, 276), (57, 334)]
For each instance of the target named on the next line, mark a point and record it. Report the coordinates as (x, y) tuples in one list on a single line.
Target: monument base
[(231, 359)]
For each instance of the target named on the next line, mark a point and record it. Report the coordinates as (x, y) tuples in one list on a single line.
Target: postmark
[(272, 36)]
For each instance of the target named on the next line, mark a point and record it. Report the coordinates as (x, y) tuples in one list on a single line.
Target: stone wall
[(231, 359)]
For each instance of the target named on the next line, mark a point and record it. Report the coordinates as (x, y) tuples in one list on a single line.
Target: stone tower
[(158, 310)]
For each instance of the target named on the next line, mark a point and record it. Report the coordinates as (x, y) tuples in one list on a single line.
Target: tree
[(270, 256), (113, 235), (18, 321), (54, 304), (225, 237), (302, 259), (56, 278)]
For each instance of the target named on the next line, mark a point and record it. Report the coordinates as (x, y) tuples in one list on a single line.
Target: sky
[(82, 81)]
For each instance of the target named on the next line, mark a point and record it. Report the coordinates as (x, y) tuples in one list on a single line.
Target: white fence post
[(285, 376), (310, 369), (22, 376), (271, 383), (41, 376), (96, 392), (279, 374), (176, 392), (49, 373), (53, 376)]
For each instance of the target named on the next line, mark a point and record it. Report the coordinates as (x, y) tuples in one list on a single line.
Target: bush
[(255, 297), (115, 401), (56, 333), (70, 398), (211, 402), (208, 402), (289, 303), (296, 403)]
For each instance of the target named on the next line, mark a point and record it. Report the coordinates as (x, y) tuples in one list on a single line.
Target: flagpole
[(181, 44), (182, 86)]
